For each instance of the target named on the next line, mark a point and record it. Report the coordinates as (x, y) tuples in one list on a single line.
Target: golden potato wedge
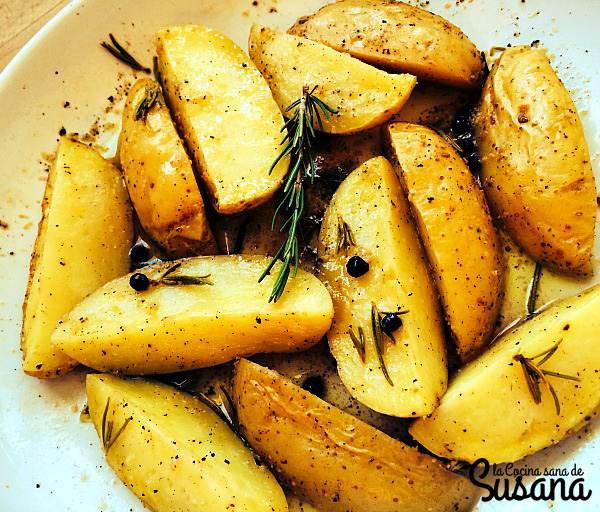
[(174, 452), (456, 230), (535, 163), (332, 459), (432, 104), (369, 217), (159, 175), (226, 114), (399, 37), (297, 505), (489, 410), (83, 241), (363, 95), (175, 325)]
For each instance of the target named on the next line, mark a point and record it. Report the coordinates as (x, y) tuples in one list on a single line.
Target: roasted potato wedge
[(369, 217), (226, 113), (333, 460), (297, 505), (535, 163), (456, 230), (363, 95), (174, 452), (489, 409), (180, 325), (83, 241), (399, 37), (159, 175), (432, 104)]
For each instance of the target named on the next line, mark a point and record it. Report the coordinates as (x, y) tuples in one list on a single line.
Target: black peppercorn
[(462, 122), (390, 323), (139, 282), (357, 267), (314, 385), (140, 253)]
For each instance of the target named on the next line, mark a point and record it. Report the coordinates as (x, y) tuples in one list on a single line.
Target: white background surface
[(41, 439)]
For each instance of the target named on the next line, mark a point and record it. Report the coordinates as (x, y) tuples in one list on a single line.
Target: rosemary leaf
[(533, 290), (120, 53), (561, 375), (187, 280), (146, 103), (555, 397), (378, 338), (359, 342), (116, 436), (103, 429), (345, 238)]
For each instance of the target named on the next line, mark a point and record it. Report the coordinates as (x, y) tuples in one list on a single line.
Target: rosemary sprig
[(107, 428), (534, 375), (297, 143), (123, 55), (345, 238), (146, 103), (378, 338), (533, 290), (359, 342), (174, 280)]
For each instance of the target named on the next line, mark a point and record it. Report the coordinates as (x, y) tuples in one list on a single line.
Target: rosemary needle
[(297, 143), (120, 53)]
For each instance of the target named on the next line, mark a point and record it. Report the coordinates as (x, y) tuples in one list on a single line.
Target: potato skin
[(536, 171), (183, 327), (225, 111), (399, 37), (371, 202), (488, 410), (83, 241), (456, 229), (363, 95), (160, 178), (333, 460), (175, 453)]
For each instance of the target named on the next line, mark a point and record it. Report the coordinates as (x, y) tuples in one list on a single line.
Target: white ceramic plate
[(49, 461)]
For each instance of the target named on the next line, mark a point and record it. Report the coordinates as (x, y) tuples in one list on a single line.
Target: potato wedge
[(363, 95), (370, 206), (399, 37), (174, 452), (226, 114), (297, 505), (333, 460), (489, 411), (432, 104), (535, 165), (159, 175), (456, 230), (83, 241), (170, 327)]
